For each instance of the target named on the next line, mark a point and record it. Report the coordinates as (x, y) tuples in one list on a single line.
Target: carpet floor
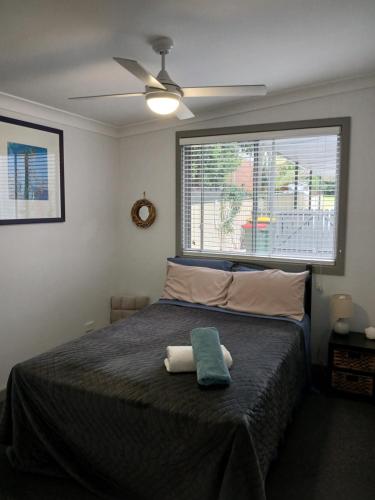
[(328, 454)]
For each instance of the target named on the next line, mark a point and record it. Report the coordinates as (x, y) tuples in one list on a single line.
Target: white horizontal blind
[(272, 196)]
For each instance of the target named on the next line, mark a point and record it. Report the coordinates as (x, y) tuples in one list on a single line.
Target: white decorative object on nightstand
[(370, 332)]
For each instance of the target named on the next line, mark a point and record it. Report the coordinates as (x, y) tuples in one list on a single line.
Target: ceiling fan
[(164, 96)]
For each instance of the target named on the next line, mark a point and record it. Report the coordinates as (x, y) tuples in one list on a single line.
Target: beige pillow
[(271, 292), (200, 285)]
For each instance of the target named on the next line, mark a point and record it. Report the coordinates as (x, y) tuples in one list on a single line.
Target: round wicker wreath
[(138, 221)]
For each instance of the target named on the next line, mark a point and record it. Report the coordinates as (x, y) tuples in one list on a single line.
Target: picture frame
[(31, 173)]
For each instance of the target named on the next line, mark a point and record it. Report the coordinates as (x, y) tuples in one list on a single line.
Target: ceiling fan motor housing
[(171, 87), (163, 46), (172, 90)]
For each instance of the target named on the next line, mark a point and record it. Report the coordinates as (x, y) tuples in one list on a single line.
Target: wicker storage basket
[(360, 361), (357, 384)]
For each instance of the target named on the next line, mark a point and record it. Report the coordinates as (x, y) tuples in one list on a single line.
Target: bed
[(103, 410)]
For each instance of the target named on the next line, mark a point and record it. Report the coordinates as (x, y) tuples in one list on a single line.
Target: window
[(273, 193)]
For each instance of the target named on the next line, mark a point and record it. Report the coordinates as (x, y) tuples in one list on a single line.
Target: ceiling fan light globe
[(163, 105)]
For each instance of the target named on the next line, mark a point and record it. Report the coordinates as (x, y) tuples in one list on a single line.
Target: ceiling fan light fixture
[(163, 103)]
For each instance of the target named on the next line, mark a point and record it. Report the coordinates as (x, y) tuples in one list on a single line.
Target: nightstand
[(351, 364)]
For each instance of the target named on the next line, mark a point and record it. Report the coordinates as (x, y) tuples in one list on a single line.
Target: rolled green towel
[(208, 356)]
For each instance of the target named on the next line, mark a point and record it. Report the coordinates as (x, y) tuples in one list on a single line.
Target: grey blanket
[(103, 409)]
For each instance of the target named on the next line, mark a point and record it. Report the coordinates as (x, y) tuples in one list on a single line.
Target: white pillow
[(271, 292), (199, 285)]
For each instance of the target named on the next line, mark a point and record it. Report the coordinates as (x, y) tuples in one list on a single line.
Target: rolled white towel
[(180, 358)]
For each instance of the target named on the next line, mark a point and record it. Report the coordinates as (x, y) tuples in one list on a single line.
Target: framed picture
[(31, 173)]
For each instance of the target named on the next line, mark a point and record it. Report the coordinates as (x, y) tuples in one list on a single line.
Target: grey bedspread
[(104, 410)]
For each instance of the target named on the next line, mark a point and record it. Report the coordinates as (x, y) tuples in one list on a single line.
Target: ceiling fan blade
[(183, 112), (138, 71), (225, 91), (134, 94)]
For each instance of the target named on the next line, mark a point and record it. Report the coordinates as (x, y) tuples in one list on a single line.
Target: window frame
[(338, 268)]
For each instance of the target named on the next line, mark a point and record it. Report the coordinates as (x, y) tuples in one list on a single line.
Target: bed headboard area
[(308, 290)]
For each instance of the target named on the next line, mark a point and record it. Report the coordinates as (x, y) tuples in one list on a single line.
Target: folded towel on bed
[(180, 358), (208, 356)]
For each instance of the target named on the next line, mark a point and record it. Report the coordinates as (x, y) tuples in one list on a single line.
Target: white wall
[(55, 277), (148, 164)]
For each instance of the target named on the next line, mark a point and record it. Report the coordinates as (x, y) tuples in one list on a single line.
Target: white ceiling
[(53, 49)]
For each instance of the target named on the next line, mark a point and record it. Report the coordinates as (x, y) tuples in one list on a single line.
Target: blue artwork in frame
[(27, 172), (31, 173)]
